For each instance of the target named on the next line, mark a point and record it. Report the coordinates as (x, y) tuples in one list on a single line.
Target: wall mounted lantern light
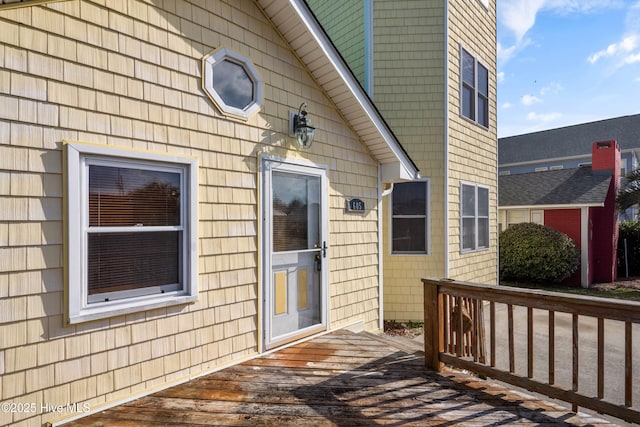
[(300, 127)]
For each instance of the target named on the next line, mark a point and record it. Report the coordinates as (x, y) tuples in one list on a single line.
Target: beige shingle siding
[(409, 90), (128, 74), (472, 149)]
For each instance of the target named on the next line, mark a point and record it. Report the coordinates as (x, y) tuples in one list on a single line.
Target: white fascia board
[(565, 206), (396, 172), (634, 151)]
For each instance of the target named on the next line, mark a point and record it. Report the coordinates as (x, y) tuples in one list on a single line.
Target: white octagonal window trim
[(232, 83)]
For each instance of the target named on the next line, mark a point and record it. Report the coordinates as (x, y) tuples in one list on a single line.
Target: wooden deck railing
[(529, 328)]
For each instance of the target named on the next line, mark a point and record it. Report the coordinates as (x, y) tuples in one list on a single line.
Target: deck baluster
[(552, 347), (512, 362), (628, 364), (452, 342), (600, 358), (576, 344), (529, 342)]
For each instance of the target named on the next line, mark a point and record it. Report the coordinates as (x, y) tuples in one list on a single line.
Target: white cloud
[(548, 117), (530, 100), (583, 6), (519, 16), (626, 45), (632, 59), (504, 54), (500, 76), (508, 105), (627, 50)]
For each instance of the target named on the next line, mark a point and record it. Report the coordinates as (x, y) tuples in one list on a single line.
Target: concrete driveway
[(587, 333), (587, 356)]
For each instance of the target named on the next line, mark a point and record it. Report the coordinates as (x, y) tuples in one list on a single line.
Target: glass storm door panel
[(294, 222)]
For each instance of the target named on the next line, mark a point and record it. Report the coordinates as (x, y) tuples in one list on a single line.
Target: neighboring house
[(430, 67), (570, 147), (157, 219), (579, 202)]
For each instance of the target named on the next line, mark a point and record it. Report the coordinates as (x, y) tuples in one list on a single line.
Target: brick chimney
[(605, 158)]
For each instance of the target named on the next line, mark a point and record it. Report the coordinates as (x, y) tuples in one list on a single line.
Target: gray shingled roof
[(557, 187), (569, 141)]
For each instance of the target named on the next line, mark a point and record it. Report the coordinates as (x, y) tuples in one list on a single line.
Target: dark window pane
[(468, 233), (468, 68), (128, 197), (483, 201), (483, 80), (232, 82), (409, 235), (468, 200), (410, 198), (483, 232), (483, 111), (132, 261), (468, 103)]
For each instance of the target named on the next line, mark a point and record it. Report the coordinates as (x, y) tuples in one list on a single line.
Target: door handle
[(324, 249)]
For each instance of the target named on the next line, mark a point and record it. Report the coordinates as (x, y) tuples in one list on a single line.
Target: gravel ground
[(631, 282)]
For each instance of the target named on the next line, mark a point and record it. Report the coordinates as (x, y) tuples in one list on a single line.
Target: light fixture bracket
[(300, 127)]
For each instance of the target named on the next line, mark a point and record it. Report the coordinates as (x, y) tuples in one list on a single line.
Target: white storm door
[(295, 227)]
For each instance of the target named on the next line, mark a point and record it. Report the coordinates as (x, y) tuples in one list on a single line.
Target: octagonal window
[(232, 83)]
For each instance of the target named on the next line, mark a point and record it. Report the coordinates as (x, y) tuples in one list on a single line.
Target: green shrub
[(629, 230), (535, 253)]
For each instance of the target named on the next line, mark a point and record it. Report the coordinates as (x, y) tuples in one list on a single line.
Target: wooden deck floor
[(339, 379)]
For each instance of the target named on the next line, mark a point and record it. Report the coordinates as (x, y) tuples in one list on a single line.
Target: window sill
[(105, 310), (410, 253), (473, 122), (472, 251)]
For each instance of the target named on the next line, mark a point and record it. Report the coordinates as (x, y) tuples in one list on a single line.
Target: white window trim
[(476, 92), (428, 227), (222, 54), (476, 247), (76, 182)]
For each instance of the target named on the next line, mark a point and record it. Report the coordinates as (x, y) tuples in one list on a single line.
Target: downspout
[(380, 249), (446, 139), (260, 250), (381, 194)]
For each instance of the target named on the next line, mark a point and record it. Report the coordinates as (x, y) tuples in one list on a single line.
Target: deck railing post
[(433, 326)]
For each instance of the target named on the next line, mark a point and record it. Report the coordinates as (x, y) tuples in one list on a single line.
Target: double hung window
[(474, 217), (131, 231), (410, 225), (474, 103)]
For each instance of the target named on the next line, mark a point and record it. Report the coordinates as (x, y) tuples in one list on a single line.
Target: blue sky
[(564, 62)]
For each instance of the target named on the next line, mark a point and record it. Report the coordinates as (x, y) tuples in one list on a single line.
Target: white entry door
[(295, 251)]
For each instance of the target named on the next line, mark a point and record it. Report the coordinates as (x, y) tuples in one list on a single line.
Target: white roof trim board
[(316, 51)]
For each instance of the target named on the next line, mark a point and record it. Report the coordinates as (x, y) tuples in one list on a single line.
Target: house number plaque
[(355, 205)]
